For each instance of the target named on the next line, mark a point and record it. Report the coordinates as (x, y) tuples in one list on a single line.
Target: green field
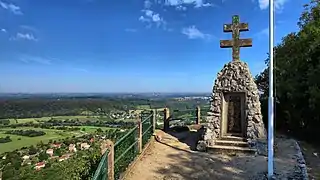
[(51, 134)]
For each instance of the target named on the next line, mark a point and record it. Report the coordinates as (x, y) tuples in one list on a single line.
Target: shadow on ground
[(188, 165), (189, 135), (173, 159)]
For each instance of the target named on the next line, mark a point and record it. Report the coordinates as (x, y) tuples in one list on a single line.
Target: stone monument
[(235, 107)]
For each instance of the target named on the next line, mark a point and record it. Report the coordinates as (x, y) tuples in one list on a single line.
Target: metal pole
[(271, 98)]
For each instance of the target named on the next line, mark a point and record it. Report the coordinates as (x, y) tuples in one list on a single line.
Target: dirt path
[(173, 160)]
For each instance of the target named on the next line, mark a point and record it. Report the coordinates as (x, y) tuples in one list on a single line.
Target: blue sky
[(129, 45)]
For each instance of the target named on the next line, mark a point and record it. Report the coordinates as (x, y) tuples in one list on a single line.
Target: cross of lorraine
[(236, 27)]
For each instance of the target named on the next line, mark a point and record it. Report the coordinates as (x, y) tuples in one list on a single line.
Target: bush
[(5, 139), (29, 133)]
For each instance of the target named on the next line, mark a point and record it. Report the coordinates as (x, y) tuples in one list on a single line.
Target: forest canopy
[(297, 77)]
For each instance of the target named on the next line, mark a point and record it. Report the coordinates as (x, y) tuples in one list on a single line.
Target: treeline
[(5, 139), (122, 124), (68, 128), (38, 107), (4, 121), (297, 78), (62, 125), (28, 133), (41, 107)]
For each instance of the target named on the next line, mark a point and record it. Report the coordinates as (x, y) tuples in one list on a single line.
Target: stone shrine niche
[(235, 107)]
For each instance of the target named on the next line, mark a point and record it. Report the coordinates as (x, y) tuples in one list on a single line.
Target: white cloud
[(11, 7), (3, 30), (156, 18), (278, 4), (207, 5), (34, 59), (196, 3), (147, 4), (26, 36), (148, 12), (193, 33), (181, 8), (152, 18)]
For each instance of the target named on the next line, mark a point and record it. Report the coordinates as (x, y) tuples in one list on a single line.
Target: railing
[(148, 122), (121, 154), (126, 148), (159, 118), (182, 117), (203, 113), (102, 170)]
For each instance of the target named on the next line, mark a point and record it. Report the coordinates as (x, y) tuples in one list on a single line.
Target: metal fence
[(204, 113), (102, 170), (183, 117), (147, 127), (159, 118), (126, 148)]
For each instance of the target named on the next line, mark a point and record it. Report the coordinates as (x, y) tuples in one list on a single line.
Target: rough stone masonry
[(235, 77)]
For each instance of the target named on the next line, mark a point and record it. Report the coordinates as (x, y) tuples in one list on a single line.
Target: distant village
[(192, 98)]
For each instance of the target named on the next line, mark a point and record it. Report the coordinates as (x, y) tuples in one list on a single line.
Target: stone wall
[(235, 77)]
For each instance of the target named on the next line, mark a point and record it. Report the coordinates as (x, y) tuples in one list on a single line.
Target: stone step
[(233, 138), (230, 149), (231, 143)]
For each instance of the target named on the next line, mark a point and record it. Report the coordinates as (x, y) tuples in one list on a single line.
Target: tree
[(57, 152), (99, 130), (32, 150), (297, 72), (14, 159), (43, 156)]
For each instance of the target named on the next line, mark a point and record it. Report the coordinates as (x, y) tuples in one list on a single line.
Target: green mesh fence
[(115, 134), (126, 146), (147, 127), (102, 170), (159, 118), (125, 150), (183, 117), (203, 114)]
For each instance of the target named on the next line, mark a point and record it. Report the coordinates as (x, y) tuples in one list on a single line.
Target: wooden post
[(198, 119), (139, 124), (166, 119), (154, 121), (110, 169)]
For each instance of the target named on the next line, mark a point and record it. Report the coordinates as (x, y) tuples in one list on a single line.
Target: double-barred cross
[(236, 27)]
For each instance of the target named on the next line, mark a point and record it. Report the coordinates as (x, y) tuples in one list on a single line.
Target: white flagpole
[(271, 98)]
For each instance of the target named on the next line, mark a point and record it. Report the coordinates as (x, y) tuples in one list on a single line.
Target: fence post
[(110, 169), (166, 119), (139, 124), (198, 115), (154, 121)]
